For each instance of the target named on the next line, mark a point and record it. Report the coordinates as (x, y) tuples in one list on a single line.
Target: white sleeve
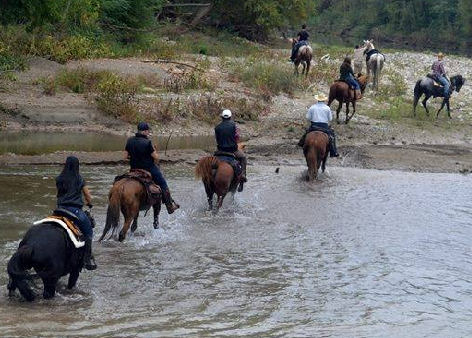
[(309, 114), (330, 114)]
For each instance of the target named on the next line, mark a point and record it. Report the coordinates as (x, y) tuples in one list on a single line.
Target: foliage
[(117, 97), (420, 22)]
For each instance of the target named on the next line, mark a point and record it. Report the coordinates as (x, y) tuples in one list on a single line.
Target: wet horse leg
[(347, 111), (220, 201), (209, 193), (73, 277), (156, 209), (134, 226), (49, 286)]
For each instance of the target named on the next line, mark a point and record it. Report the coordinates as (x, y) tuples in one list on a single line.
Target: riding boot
[(358, 94), (301, 143), (169, 202), (89, 261), (333, 151)]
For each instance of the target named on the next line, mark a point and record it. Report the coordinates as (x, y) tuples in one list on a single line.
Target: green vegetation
[(421, 22)]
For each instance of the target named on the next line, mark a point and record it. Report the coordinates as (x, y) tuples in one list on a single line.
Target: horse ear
[(371, 40)]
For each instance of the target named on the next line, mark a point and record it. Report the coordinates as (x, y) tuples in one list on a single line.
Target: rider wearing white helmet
[(227, 138)]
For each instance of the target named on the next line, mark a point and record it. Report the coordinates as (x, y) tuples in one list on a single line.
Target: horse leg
[(128, 220), (448, 109), (156, 210), (49, 286), (427, 96), (134, 226), (308, 63), (220, 201), (73, 277), (209, 193), (338, 111), (347, 112)]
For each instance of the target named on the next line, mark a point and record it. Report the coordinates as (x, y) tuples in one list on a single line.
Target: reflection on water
[(28, 143), (362, 254)]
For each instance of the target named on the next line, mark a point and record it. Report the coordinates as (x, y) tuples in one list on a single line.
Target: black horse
[(48, 250), (426, 86)]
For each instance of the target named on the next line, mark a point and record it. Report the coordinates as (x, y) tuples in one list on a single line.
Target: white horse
[(375, 63)]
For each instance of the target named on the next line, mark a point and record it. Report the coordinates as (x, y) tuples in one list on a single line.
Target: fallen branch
[(174, 62)]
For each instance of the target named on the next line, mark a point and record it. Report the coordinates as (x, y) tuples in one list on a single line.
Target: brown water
[(28, 143), (361, 254)]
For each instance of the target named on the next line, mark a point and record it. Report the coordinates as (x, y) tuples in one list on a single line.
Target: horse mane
[(205, 167)]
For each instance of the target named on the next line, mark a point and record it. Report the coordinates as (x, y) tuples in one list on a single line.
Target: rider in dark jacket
[(227, 138), (143, 155), (302, 40), (347, 75), (70, 188)]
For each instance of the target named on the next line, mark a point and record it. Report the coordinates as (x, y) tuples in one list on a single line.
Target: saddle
[(350, 87), (65, 220), (372, 52), (153, 191), (229, 158), (435, 79)]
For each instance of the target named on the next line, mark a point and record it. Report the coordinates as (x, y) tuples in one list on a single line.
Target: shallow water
[(361, 254), (29, 143)]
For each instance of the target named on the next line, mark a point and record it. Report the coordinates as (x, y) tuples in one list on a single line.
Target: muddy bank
[(417, 158)]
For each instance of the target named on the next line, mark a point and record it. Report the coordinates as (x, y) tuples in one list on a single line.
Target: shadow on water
[(358, 254), (29, 143)]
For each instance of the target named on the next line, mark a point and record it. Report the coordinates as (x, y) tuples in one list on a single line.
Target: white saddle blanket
[(78, 244)]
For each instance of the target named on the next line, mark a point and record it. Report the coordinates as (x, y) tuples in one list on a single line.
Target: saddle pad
[(70, 228)]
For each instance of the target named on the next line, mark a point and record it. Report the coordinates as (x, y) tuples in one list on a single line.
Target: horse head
[(368, 45), (457, 82), (363, 80)]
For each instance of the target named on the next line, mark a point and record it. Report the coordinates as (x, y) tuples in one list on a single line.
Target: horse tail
[(205, 167), (417, 93), (377, 71), (17, 266), (113, 210)]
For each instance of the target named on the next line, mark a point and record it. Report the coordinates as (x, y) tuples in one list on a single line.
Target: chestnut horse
[(341, 92), (303, 56), (316, 153), (129, 196), (218, 178)]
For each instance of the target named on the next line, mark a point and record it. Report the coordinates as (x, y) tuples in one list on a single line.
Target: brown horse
[(341, 92), (129, 196), (218, 178), (303, 56), (316, 153)]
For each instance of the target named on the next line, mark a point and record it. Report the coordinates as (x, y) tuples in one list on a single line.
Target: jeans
[(351, 81), (444, 81), (158, 178), (84, 222)]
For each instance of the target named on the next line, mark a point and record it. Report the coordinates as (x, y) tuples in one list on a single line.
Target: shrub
[(117, 97)]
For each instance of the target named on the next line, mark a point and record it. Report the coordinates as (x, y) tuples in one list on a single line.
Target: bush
[(192, 80), (270, 78), (117, 97)]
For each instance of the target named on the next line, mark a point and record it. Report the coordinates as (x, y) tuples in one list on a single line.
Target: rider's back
[(225, 134), (140, 149)]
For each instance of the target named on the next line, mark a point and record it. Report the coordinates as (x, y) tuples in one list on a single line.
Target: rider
[(143, 155), (70, 188), (347, 75), (319, 115), (227, 138), (440, 73), (302, 40)]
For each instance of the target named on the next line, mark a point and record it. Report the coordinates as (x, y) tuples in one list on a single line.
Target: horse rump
[(17, 268)]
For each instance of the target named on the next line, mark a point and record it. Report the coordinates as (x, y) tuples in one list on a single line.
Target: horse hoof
[(121, 238), (156, 225)]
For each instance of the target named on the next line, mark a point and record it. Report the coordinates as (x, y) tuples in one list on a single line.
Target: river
[(363, 253)]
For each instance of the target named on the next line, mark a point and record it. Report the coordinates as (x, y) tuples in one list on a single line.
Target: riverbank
[(383, 134)]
